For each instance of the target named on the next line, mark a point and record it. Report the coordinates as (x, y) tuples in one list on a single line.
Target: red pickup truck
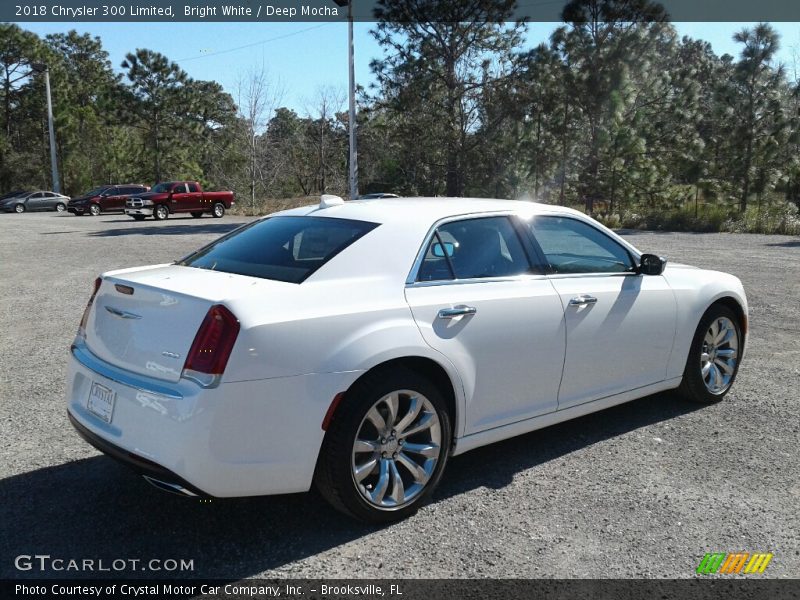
[(165, 199)]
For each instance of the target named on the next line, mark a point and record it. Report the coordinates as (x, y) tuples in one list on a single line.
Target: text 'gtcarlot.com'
[(45, 562)]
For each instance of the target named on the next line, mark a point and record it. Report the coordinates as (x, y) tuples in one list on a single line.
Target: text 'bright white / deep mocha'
[(231, 10)]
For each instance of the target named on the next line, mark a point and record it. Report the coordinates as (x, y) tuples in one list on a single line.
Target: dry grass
[(265, 206)]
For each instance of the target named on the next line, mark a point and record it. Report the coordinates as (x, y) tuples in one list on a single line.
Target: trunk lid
[(151, 330)]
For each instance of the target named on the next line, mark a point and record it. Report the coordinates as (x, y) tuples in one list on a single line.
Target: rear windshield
[(281, 248)]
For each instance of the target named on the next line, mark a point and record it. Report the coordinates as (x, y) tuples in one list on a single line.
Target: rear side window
[(473, 249), (193, 187), (280, 248)]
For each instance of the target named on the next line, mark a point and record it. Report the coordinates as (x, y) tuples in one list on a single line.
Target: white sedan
[(357, 345)]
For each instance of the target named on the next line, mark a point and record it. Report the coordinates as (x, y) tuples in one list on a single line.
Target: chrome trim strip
[(84, 356), (527, 277), (123, 314), (574, 275)]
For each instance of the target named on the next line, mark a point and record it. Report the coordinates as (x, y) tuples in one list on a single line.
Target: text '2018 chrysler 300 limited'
[(357, 345)]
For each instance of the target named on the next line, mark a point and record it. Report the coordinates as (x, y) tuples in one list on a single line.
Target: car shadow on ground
[(787, 244), (215, 228), (96, 508)]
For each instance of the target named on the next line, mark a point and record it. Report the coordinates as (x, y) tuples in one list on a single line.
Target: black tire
[(139, 217), (218, 210), (61, 207), (197, 214), (160, 212), (334, 476), (694, 387), (95, 210), (19, 209)]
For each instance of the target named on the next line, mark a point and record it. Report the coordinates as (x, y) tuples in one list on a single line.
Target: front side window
[(286, 249), (572, 246), (474, 248)]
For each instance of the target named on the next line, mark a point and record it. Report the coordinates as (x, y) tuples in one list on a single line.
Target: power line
[(228, 50)]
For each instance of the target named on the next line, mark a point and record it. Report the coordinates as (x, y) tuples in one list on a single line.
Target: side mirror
[(439, 250), (650, 264)]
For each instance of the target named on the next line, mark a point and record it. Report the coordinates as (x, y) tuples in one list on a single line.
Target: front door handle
[(456, 311), (582, 300)]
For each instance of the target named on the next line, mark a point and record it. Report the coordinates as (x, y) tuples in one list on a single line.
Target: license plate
[(101, 402)]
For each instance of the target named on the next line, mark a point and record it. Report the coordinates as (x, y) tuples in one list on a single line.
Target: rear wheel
[(94, 210), (197, 214), (386, 448), (160, 212), (713, 357), (60, 207), (138, 217), (218, 210), (19, 208)]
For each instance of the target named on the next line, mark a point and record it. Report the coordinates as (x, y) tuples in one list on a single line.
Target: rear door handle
[(456, 311), (582, 300)]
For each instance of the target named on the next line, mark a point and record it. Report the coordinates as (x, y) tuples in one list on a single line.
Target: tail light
[(85, 317), (212, 347)]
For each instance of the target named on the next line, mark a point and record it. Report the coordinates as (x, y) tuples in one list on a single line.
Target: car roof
[(404, 224), (424, 210)]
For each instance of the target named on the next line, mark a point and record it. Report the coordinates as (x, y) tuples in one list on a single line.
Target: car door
[(620, 324), (178, 198), (35, 201), (194, 200), (114, 199), (479, 300)]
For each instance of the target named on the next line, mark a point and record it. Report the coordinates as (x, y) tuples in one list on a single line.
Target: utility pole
[(352, 93), (42, 68)]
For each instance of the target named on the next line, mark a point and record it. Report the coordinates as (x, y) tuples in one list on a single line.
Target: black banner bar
[(733, 588), (363, 10)]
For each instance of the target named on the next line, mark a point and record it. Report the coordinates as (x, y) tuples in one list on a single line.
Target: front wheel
[(713, 357), (160, 213), (60, 207), (386, 448), (218, 210), (19, 209), (94, 210)]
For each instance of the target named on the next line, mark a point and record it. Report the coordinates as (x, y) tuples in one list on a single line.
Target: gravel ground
[(640, 490)]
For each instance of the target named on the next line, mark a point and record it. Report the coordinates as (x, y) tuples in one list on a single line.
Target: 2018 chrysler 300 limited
[(358, 345)]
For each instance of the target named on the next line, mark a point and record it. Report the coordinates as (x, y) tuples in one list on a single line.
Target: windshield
[(162, 188), (286, 249)]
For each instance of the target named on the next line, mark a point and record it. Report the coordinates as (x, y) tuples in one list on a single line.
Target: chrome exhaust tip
[(172, 488)]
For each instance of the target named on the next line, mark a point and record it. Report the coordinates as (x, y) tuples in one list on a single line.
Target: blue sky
[(307, 56)]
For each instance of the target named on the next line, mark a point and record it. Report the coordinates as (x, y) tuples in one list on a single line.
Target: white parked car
[(358, 345)]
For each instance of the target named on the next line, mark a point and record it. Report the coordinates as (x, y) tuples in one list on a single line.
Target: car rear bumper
[(146, 211), (239, 439), (146, 468)]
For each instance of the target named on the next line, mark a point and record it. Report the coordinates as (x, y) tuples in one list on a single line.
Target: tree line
[(615, 113)]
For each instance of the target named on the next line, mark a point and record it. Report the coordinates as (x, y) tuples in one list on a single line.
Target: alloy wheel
[(396, 449), (719, 354)]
